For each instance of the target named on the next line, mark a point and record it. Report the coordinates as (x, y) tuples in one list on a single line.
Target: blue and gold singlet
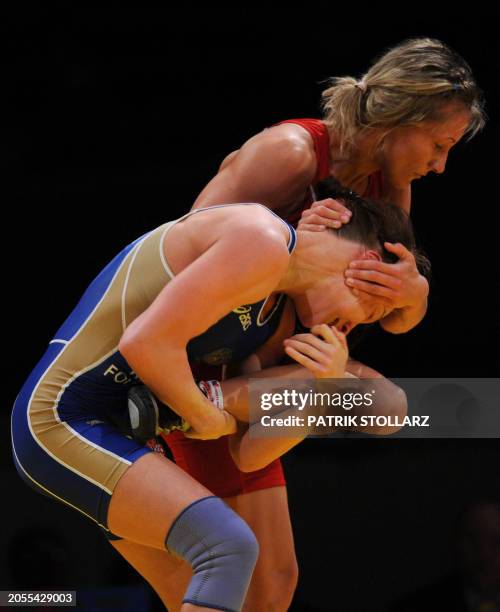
[(63, 442)]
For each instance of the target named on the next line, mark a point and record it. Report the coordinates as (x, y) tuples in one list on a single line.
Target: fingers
[(341, 337), (323, 351), (372, 264), (326, 213), (398, 249), (226, 427), (372, 289), (334, 206), (310, 364), (321, 216), (310, 346), (387, 304), (406, 266), (373, 277), (320, 344), (319, 334), (330, 334), (311, 227)]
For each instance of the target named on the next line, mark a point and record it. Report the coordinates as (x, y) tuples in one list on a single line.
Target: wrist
[(419, 298), (212, 418), (212, 421)]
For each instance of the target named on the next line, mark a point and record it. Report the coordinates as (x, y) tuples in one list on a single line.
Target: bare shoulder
[(249, 227), (257, 223), (286, 145), (288, 138), (274, 167), (288, 134), (255, 241), (248, 230)]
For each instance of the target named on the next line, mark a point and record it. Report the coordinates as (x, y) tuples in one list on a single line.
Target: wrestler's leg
[(154, 498), (167, 575), (275, 576)]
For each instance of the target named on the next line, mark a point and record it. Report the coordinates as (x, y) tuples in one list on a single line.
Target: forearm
[(166, 371), (235, 390), (251, 453), (390, 400)]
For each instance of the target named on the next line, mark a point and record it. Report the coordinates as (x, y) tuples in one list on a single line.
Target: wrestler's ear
[(370, 254)]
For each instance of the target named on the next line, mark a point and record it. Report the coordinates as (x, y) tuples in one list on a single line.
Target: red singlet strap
[(321, 141)]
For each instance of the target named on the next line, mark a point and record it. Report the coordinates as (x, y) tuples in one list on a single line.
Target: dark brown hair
[(373, 223)]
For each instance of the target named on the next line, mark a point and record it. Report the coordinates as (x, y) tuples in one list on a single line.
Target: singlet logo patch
[(244, 316)]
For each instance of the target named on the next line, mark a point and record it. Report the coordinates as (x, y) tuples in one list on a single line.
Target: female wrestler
[(161, 302), (378, 134)]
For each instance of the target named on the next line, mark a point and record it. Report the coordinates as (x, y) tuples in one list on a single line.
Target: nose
[(345, 326), (439, 165)]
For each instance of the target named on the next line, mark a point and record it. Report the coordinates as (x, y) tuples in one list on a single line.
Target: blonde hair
[(410, 83)]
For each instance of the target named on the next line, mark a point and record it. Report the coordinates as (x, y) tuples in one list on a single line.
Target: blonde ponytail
[(410, 83)]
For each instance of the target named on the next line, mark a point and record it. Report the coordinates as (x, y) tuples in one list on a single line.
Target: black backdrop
[(116, 118)]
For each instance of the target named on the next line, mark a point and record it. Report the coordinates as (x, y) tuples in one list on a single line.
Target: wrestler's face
[(330, 300), (334, 303), (408, 153)]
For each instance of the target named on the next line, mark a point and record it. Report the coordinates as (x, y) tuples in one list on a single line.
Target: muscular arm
[(155, 343), (273, 168), (252, 453), (402, 320)]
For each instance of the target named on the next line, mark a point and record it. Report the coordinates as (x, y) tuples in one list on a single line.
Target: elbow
[(245, 461), (129, 346), (136, 346), (249, 465), (126, 345)]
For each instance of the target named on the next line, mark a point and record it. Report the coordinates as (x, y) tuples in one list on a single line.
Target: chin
[(307, 319), (401, 180), (310, 320), (404, 183)]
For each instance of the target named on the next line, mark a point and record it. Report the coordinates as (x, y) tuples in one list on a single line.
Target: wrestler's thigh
[(148, 497), (266, 512)]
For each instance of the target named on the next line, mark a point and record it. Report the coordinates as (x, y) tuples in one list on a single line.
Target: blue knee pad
[(222, 550)]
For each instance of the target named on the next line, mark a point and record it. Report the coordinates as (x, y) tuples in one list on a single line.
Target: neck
[(354, 166), (306, 266)]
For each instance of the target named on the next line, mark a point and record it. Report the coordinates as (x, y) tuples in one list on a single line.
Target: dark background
[(116, 118)]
